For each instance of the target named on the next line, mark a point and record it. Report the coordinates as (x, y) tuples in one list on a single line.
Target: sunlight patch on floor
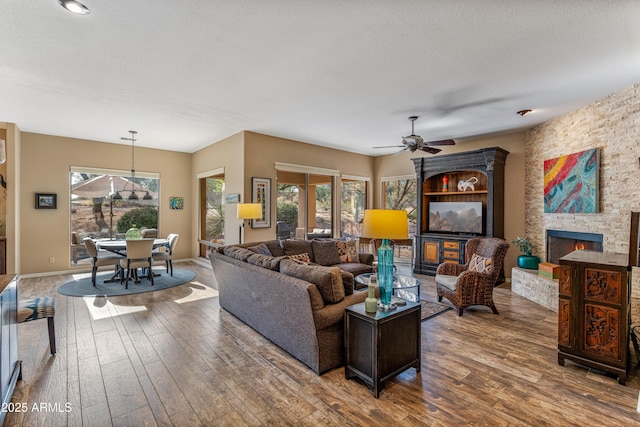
[(198, 291), (80, 276), (102, 308)]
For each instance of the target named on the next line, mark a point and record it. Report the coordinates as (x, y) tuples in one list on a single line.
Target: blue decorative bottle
[(385, 273)]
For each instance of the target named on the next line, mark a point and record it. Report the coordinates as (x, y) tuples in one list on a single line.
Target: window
[(103, 205), (212, 217), (353, 202), (212, 206), (305, 201), (401, 193)]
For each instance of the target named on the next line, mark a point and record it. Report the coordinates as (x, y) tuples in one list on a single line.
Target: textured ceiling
[(343, 74)]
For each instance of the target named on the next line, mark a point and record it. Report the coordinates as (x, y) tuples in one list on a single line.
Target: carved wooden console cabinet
[(593, 311)]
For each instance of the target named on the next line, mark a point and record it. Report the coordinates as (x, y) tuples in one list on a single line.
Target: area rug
[(82, 287), (431, 309)]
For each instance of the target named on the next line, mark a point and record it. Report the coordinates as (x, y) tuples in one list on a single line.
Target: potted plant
[(527, 260)]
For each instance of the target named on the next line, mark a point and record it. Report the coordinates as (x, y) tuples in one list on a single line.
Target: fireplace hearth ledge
[(541, 290)]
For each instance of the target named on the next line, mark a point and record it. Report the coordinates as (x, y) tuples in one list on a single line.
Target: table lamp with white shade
[(385, 224), (248, 211)]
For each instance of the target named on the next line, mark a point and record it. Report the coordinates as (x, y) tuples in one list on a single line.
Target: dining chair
[(138, 256), (167, 256), (97, 259)]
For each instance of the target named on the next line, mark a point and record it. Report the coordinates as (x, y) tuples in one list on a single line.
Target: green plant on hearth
[(523, 244)]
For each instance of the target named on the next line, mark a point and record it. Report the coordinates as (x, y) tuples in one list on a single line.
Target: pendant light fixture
[(133, 196)]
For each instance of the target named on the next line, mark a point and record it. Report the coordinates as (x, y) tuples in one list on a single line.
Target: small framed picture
[(176, 202), (46, 201)]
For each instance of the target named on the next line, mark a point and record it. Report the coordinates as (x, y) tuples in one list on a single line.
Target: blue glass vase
[(385, 273)]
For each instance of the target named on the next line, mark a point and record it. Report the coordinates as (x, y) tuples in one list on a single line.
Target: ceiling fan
[(415, 142)]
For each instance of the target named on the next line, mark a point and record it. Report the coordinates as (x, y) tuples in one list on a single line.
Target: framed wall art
[(261, 193), (571, 183), (46, 201), (176, 202)]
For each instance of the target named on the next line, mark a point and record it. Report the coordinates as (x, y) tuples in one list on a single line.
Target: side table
[(380, 345)]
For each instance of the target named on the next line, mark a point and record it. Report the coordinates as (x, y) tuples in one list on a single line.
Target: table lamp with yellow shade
[(248, 211), (385, 224)]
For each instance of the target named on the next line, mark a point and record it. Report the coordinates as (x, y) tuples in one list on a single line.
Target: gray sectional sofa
[(298, 306)]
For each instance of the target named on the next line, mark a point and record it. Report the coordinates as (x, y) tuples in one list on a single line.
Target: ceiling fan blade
[(390, 146), (441, 142), (430, 150)]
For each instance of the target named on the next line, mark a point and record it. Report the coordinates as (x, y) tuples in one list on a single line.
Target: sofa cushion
[(302, 258), (328, 280), (347, 251), (261, 249), (447, 281), (265, 261), (348, 281), (274, 247), (355, 268), (295, 246), (238, 253), (325, 252)]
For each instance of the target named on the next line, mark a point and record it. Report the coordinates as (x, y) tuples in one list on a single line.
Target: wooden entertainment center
[(487, 166)]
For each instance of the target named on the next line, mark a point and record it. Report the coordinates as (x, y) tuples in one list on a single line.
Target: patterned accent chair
[(472, 283)]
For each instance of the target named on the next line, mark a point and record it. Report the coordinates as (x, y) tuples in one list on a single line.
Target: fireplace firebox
[(561, 243)]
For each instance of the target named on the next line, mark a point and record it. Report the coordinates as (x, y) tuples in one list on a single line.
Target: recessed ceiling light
[(523, 112), (74, 7)]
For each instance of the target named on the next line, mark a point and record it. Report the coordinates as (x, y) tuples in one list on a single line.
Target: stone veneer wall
[(611, 124)]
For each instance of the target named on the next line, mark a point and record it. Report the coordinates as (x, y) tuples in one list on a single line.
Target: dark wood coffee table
[(380, 345)]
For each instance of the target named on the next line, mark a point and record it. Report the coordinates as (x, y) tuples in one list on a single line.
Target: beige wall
[(263, 151), (514, 213), (45, 164)]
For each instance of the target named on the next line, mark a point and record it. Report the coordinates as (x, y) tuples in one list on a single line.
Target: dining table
[(119, 247)]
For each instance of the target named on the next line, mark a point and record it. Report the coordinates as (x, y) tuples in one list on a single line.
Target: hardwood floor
[(173, 357)]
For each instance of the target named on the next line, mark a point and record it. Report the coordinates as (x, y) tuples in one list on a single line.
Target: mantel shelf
[(453, 193)]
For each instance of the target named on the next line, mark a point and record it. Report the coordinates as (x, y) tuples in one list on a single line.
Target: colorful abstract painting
[(571, 183)]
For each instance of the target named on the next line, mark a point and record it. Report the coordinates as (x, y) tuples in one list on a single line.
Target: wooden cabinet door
[(602, 291), (564, 306), (602, 331), (430, 251)]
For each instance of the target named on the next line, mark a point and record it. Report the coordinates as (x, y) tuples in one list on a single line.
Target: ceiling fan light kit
[(415, 142), (74, 7)]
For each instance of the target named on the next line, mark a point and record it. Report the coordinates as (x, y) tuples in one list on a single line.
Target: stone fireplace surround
[(610, 124)]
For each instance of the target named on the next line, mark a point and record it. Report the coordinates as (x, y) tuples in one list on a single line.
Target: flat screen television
[(455, 217)]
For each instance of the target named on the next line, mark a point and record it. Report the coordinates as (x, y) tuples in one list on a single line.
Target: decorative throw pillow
[(347, 251), (325, 252), (296, 246), (260, 249), (300, 258), (481, 264)]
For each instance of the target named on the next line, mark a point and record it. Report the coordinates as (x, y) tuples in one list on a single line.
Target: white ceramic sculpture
[(467, 184)]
